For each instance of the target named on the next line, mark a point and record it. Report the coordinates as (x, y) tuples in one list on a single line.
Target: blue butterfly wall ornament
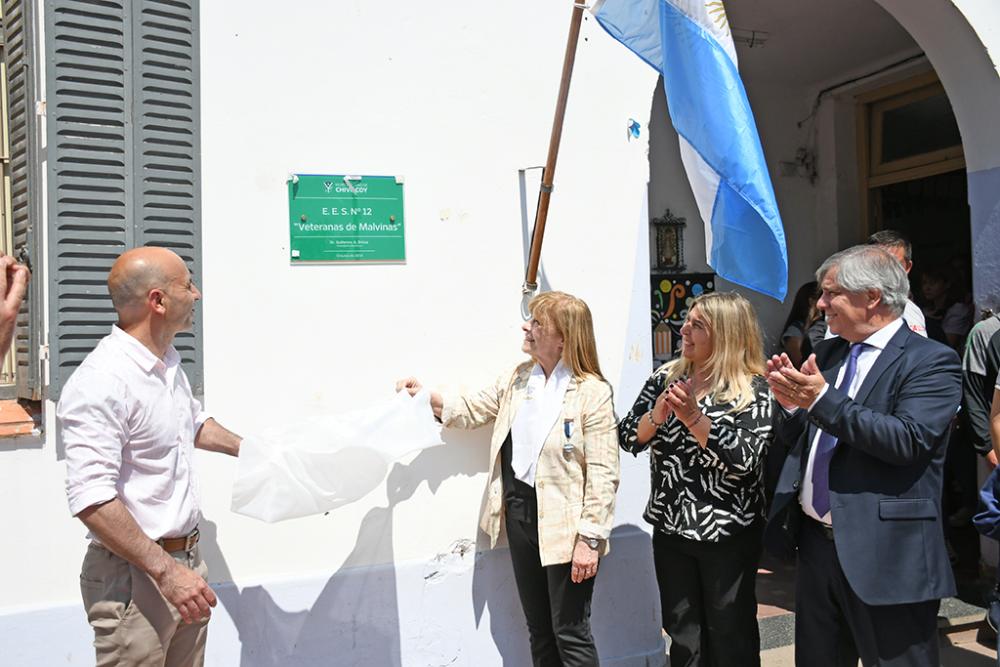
[(633, 129)]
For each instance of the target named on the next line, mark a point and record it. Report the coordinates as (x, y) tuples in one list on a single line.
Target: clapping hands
[(680, 397), (794, 388)]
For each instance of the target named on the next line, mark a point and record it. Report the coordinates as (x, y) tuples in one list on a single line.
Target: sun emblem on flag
[(717, 12)]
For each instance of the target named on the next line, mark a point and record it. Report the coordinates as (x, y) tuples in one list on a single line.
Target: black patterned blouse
[(709, 493)]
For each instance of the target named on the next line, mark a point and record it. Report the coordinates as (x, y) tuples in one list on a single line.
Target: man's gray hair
[(864, 267)]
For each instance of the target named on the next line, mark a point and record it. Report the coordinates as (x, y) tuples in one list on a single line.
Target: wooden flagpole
[(545, 189)]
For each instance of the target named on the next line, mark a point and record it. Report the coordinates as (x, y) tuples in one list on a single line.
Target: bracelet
[(649, 416), (695, 422)]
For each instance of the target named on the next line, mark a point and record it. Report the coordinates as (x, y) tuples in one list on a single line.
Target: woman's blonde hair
[(570, 318), (737, 348)]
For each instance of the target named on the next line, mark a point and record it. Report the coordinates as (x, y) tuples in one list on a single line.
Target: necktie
[(828, 443)]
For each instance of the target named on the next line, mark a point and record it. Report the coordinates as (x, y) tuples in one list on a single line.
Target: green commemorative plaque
[(346, 218)]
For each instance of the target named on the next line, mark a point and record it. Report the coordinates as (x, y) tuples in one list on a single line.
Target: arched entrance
[(805, 64), (955, 36)]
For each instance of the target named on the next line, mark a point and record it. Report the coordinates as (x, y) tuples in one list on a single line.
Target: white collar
[(142, 355), (539, 382), (881, 338)]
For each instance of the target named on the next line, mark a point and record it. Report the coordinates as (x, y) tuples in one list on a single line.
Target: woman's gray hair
[(864, 267)]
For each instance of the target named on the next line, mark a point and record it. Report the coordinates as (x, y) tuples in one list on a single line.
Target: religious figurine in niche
[(669, 241)]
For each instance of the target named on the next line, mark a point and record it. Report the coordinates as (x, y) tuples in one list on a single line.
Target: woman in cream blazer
[(553, 472)]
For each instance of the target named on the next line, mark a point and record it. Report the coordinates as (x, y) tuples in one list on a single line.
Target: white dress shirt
[(866, 359), (535, 418), (128, 423)]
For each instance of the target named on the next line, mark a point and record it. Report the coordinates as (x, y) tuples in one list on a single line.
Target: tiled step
[(959, 648), (778, 630)]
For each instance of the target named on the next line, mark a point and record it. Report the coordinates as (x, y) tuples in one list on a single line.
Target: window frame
[(872, 172)]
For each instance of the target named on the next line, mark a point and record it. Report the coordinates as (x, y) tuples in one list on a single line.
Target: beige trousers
[(134, 625)]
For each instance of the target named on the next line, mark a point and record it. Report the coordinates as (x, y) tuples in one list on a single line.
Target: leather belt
[(823, 528), (185, 543)]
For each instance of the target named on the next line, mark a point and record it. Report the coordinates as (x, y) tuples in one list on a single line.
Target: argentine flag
[(689, 42)]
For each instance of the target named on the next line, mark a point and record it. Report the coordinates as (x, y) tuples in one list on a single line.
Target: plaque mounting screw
[(392, 218), (303, 218)]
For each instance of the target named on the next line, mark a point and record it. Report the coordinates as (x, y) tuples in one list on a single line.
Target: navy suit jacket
[(886, 473)]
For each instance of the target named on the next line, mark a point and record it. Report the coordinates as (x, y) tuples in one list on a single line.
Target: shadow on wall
[(357, 611), (625, 613), (626, 607), (495, 594), (350, 614), (391, 615)]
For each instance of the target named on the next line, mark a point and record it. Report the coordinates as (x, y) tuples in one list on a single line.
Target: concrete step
[(959, 648)]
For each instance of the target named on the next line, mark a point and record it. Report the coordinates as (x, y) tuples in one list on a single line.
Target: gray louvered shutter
[(88, 100), (123, 159), (166, 146), (24, 173)]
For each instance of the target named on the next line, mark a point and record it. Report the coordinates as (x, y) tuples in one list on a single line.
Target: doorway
[(933, 213), (913, 180)]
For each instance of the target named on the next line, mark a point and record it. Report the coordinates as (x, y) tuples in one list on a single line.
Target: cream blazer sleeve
[(469, 411), (600, 444)]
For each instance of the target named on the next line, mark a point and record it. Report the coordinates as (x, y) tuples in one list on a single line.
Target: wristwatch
[(591, 542)]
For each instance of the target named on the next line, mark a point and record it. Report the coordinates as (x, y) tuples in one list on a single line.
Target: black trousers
[(833, 627), (556, 609), (708, 600)]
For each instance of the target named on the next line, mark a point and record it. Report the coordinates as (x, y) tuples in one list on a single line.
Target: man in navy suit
[(859, 496)]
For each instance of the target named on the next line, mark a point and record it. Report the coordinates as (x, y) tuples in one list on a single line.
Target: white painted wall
[(456, 97), (456, 112)]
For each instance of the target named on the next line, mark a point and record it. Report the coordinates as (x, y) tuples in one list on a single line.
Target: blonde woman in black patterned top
[(706, 417)]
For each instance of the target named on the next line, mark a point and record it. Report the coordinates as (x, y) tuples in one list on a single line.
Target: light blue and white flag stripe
[(690, 43)]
